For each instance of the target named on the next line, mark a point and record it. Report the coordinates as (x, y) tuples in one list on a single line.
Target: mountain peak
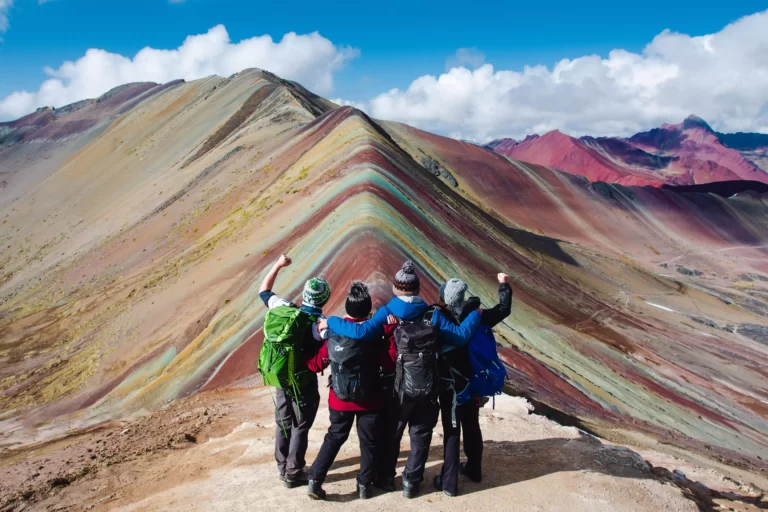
[(557, 135), (501, 144), (694, 121), (531, 137)]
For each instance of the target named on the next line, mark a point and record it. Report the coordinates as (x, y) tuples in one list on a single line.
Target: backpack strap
[(446, 349), (425, 317), (455, 398), (429, 313), (288, 325)]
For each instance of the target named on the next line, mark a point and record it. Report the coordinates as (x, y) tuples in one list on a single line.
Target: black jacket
[(491, 317), (459, 357)]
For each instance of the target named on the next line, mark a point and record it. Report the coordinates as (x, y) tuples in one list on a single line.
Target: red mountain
[(687, 153), (500, 145), (693, 139)]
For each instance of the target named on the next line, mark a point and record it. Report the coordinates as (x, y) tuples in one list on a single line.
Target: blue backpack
[(488, 372)]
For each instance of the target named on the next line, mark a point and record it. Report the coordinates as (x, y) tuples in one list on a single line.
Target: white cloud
[(722, 77), (471, 58), (309, 59), (360, 105), (5, 6)]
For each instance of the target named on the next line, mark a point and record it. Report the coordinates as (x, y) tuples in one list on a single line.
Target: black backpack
[(354, 376), (417, 375)]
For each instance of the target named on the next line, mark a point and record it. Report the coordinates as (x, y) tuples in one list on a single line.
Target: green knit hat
[(316, 292)]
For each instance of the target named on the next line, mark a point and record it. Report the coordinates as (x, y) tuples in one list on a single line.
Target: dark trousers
[(294, 418), (338, 432), (468, 420), (388, 444), (421, 418)]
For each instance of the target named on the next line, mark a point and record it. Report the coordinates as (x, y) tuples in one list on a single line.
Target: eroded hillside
[(136, 229)]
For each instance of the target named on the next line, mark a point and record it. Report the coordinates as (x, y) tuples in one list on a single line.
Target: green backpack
[(280, 360)]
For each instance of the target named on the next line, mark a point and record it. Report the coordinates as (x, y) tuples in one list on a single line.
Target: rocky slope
[(132, 249), (214, 452)]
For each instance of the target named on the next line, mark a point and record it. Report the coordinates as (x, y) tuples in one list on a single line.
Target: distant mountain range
[(687, 153)]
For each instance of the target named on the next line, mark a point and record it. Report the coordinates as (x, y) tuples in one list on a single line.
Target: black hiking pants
[(387, 443), (294, 418), (467, 420), (338, 432), (420, 418)]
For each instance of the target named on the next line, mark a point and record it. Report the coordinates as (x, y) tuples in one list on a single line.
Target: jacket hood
[(407, 310)]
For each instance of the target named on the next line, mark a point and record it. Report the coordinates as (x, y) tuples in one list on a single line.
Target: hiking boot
[(315, 490), (385, 484), (298, 480), (438, 484), (364, 491), (463, 470), (410, 489)]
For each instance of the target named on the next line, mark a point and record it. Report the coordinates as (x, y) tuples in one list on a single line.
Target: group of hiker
[(402, 367)]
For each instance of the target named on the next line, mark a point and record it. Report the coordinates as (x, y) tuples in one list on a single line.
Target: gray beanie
[(452, 292)]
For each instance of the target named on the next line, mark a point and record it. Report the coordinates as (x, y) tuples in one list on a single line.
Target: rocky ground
[(213, 452)]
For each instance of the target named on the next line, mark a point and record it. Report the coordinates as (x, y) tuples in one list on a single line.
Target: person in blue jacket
[(420, 417), (406, 305)]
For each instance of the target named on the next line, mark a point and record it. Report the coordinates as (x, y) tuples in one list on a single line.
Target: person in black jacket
[(466, 415)]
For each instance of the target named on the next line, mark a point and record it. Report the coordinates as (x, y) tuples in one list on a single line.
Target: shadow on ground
[(520, 461), (515, 462)]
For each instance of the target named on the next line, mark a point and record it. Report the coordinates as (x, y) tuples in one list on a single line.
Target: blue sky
[(398, 41)]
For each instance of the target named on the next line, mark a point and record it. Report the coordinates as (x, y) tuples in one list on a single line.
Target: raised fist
[(503, 278), (283, 261)]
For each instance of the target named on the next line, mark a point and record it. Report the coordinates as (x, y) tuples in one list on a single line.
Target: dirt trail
[(214, 453)]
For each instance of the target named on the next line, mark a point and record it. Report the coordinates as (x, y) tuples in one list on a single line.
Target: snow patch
[(665, 308)]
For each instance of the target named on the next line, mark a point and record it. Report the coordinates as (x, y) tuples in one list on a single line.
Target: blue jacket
[(450, 333)]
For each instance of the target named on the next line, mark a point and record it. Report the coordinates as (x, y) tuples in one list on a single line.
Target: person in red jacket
[(364, 400)]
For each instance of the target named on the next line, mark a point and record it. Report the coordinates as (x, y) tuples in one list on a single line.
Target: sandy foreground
[(214, 452)]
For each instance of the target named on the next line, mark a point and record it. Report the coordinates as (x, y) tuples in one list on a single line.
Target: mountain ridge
[(687, 153), (132, 269)]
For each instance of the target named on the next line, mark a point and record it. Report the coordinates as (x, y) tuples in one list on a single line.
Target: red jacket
[(387, 353)]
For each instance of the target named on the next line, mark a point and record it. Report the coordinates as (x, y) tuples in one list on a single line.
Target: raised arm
[(368, 330), (502, 310), (269, 280), (456, 335)]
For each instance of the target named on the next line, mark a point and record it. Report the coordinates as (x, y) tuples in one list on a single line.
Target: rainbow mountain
[(136, 228)]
